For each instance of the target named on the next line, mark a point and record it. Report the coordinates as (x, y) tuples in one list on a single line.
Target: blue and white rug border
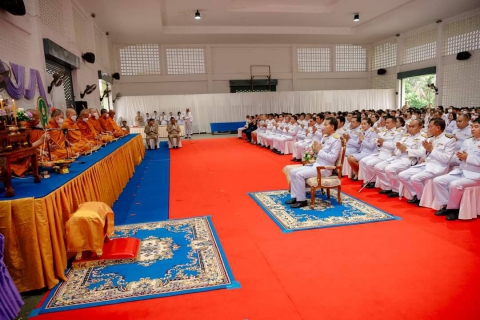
[(285, 230), (233, 283)]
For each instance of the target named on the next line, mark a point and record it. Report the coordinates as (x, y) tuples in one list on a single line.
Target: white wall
[(458, 82), (21, 42), (232, 62)]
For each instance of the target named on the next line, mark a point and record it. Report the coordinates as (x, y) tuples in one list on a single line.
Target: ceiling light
[(356, 17), (197, 15)]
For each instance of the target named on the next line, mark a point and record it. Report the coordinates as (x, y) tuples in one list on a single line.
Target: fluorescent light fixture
[(197, 15), (356, 17)]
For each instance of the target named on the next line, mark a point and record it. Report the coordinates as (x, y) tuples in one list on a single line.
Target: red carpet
[(420, 267)]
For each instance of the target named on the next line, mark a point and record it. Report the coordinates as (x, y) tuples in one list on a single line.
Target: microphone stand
[(65, 132)]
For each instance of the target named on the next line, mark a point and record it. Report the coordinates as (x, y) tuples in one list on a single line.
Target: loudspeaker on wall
[(381, 71), (464, 55)]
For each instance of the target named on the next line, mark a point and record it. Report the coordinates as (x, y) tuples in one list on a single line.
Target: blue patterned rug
[(326, 213), (175, 257)]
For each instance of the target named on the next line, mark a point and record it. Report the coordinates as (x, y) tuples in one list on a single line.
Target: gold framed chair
[(332, 182)]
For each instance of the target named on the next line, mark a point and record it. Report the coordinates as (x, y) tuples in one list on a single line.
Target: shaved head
[(35, 120), (71, 112), (84, 113), (56, 113)]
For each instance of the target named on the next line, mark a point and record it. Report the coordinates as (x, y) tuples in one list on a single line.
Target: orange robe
[(107, 126), (93, 128), (75, 136), (116, 127), (58, 139)]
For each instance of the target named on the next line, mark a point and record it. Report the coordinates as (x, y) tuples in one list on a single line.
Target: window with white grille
[(384, 82), (51, 15), (350, 58), (460, 84), (141, 59), (185, 60), (313, 59), (420, 46), (462, 35), (384, 55)]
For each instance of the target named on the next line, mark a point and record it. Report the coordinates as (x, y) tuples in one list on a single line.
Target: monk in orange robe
[(57, 136), (75, 136), (115, 126), (107, 125), (93, 121)]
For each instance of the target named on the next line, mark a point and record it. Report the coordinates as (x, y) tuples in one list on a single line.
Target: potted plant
[(23, 117)]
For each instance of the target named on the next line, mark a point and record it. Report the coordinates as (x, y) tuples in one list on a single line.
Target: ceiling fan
[(117, 96), (105, 94), (88, 89), (57, 80)]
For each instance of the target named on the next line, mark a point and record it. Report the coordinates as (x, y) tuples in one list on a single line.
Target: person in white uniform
[(156, 118), (407, 153), (462, 132), (368, 145), (188, 119), (439, 150), (240, 130), (179, 119), (163, 119), (290, 133), (352, 136), (300, 145), (328, 151), (449, 188), (386, 143), (452, 123)]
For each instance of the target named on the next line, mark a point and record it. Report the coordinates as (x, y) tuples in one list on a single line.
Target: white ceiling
[(266, 21)]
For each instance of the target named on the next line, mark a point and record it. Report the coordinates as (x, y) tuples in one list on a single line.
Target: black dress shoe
[(413, 200), (291, 201), (393, 194), (442, 212), (299, 204), (370, 185), (452, 215), (385, 191), (294, 159)]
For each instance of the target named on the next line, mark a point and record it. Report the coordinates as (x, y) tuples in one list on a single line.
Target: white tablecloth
[(162, 131)]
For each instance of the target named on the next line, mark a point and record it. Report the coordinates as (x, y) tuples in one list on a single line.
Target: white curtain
[(231, 107)]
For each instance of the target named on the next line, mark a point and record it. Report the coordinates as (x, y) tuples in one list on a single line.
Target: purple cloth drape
[(15, 90), (10, 299)]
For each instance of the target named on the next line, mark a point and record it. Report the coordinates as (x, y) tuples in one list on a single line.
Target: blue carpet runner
[(146, 196)]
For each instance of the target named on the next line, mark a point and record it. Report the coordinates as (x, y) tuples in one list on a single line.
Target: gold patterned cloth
[(88, 227), (34, 228)]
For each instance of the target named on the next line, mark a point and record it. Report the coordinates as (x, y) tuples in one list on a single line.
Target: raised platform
[(225, 126), (33, 222)]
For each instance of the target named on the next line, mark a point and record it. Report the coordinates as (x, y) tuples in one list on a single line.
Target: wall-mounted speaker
[(116, 76), (464, 55), (15, 7), (381, 72), (89, 57)]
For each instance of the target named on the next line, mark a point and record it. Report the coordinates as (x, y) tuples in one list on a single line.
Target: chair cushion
[(289, 168), (332, 181)]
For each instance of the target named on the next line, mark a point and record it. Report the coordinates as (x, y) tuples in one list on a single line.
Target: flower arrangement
[(309, 154), (22, 115)]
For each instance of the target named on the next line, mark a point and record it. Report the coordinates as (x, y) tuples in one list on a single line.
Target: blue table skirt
[(25, 187), (226, 126)]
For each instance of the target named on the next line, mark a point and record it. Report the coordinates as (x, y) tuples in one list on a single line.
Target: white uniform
[(299, 146), (328, 155), (387, 171), (275, 131), (449, 188), (288, 135), (188, 119), (436, 163), (352, 144), (461, 135), (368, 145), (452, 126), (163, 120), (367, 164)]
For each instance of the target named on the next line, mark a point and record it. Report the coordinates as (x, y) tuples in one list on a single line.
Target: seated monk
[(107, 125), (115, 126), (106, 137), (86, 128), (57, 135), (74, 134)]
